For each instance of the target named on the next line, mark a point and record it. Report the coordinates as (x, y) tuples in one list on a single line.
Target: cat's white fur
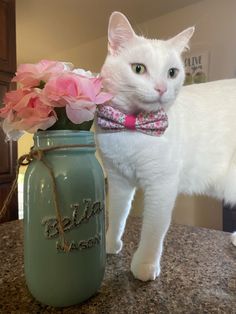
[(196, 154), (233, 238)]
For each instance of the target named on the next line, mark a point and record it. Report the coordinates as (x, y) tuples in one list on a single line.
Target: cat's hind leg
[(233, 238), (230, 192), (121, 193)]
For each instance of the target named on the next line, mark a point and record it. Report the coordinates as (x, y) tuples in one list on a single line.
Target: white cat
[(196, 153)]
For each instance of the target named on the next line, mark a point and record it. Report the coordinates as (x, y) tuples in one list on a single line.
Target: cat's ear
[(119, 32), (180, 41)]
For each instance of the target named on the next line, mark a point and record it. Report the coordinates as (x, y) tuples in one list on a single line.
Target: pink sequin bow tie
[(153, 123)]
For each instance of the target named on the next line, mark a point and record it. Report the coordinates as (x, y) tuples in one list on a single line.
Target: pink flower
[(45, 86), (30, 75), (59, 89), (10, 99), (25, 111), (79, 94), (80, 111)]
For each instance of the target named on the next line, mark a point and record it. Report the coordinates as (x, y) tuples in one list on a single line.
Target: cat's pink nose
[(161, 89)]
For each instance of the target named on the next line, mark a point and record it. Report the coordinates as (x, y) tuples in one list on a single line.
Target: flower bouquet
[(52, 96), (64, 227)]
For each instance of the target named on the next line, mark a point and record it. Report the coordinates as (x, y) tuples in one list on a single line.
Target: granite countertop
[(198, 276)]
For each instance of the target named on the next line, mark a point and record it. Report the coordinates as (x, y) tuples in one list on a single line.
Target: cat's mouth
[(150, 100), (150, 105)]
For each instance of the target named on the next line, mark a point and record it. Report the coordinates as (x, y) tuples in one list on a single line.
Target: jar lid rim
[(59, 133)]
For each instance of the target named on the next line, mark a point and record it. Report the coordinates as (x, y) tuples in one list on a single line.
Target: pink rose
[(11, 99), (80, 111), (61, 89), (30, 75), (79, 94), (25, 111), (46, 85)]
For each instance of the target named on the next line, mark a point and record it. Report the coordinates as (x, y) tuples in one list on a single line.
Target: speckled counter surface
[(198, 276)]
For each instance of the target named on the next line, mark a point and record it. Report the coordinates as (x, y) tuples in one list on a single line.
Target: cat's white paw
[(233, 238), (144, 271), (113, 247)]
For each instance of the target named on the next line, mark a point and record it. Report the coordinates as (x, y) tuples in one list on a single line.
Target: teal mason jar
[(55, 277)]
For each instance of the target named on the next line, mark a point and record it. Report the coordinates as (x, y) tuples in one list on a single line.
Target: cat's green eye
[(138, 68), (173, 72)]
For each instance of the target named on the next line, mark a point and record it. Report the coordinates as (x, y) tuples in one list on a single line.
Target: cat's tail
[(233, 238)]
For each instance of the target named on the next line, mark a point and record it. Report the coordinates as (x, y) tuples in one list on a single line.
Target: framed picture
[(196, 67)]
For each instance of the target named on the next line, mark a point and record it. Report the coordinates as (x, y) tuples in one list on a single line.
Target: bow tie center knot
[(130, 122)]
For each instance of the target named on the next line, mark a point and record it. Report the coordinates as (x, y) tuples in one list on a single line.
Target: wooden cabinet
[(7, 36), (8, 151)]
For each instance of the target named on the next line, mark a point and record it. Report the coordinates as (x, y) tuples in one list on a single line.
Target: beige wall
[(199, 211), (215, 22), (215, 32)]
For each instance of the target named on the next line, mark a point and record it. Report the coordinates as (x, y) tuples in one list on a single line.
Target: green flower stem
[(63, 123)]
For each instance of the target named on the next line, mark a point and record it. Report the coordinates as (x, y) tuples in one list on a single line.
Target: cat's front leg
[(159, 201), (121, 193)]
